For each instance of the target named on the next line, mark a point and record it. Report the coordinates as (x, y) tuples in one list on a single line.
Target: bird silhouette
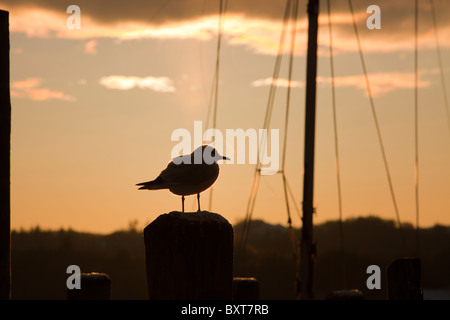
[(188, 174)]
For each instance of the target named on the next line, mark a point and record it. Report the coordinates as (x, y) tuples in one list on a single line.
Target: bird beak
[(225, 158)]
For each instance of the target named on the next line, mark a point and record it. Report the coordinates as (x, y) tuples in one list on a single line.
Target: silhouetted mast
[(308, 250)]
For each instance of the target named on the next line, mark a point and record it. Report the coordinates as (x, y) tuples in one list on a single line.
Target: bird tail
[(156, 184)]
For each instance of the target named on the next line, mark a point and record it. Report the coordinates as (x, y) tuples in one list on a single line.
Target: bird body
[(182, 180), (188, 174)]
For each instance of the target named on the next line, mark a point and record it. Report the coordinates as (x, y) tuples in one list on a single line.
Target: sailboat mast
[(307, 249)]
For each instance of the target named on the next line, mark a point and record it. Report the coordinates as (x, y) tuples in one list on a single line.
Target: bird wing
[(172, 175), (182, 171)]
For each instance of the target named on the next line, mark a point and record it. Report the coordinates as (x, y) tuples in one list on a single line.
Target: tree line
[(39, 258)]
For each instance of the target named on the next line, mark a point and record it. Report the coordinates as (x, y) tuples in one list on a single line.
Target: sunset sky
[(93, 109)]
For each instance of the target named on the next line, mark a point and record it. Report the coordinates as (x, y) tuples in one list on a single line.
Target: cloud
[(44, 23), (159, 12), (30, 89), (91, 47), (381, 82), (255, 24), (158, 84), (155, 12), (26, 84), (280, 82)]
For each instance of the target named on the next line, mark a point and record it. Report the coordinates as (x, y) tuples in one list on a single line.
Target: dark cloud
[(156, 11), (399, 13), (397, 19)]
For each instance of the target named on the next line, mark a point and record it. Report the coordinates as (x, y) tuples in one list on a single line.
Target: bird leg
[(198, 201), (182, 203)]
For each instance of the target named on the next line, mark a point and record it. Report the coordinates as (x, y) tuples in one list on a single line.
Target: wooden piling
[(353, 294), (5, 164), (189, 255), (404, 282), (245, 289), (94, 286)]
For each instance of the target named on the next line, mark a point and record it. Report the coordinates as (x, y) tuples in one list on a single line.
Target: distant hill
[(367, 241), (40, 258)]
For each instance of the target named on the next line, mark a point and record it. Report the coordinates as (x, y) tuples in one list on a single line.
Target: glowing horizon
[(93, 111)]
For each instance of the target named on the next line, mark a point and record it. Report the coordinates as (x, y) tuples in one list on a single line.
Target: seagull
[(188, 174)]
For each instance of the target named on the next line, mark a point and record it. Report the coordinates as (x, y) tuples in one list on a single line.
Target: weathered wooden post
[(94, 286), (352, 294), (403, 277), (189, 256), (245, 289), (5, 147)]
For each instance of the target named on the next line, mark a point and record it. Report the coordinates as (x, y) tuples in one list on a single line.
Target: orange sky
[(93, 111)]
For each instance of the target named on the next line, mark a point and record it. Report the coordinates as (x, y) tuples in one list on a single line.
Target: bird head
[(208, 154)]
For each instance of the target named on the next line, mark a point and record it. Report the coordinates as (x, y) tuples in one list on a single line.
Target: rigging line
[(249, 211), (272, 91), (269, 108), (297, 209), (161, 8), (439, 56), (211, 96), (208, 100), (336, 144), (215, 85), (416, 119), (222, 10), (267, 184), (275, 76), (294, 245), (250, 206), (252, 194), (374, 114), (291, 63)]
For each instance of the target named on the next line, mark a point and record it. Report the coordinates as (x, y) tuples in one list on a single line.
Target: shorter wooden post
[(353, 294), (245, 289), (403, 277), (94, 286), (189, 255)]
